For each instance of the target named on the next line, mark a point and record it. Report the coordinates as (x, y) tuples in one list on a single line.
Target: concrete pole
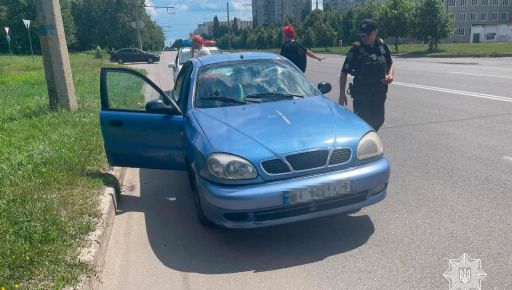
[(138, 23), (229, 28), (57, 68)]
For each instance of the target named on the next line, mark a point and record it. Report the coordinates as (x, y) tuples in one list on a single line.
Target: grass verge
[(49, 165)]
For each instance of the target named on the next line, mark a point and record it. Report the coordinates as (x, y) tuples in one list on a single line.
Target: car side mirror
[(172, 65), (324, 88), (159, 107)]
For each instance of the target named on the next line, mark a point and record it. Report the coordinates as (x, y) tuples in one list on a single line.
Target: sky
[(189, 13)]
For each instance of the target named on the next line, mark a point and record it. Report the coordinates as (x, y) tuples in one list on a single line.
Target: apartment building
[(266, 12), (468, 13), (207, 27), (341, 5)]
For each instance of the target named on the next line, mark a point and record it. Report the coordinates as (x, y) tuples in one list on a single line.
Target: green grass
[(444, 50), (49, 168)]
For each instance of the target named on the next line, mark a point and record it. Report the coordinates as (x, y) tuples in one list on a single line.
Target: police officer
[(369, 61)]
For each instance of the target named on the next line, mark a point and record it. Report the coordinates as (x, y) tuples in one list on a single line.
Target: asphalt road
[(448, 136)]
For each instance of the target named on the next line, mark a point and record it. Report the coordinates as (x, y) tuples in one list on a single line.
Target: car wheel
[(201, 217), (150, 60), (120, 61)]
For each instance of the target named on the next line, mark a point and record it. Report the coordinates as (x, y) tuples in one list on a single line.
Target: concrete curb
[(98, 240)]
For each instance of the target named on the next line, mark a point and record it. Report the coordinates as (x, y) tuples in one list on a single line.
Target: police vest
[(372, 66)]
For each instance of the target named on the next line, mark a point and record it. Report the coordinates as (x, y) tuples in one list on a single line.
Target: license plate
[(319, 192)]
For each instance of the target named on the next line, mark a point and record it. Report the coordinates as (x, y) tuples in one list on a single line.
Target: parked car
[(133, 55), (184, 54), (262, 146)]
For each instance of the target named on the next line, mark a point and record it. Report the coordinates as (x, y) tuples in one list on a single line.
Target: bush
[(98, 52)]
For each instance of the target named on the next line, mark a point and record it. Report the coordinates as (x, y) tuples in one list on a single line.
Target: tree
[(177, 43), (348, 34), (397, 19), (234, 27), (216, 26), (433, 22), (325, 35), (308, 38)]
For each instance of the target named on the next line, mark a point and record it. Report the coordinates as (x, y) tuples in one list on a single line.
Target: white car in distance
[(184, 54)]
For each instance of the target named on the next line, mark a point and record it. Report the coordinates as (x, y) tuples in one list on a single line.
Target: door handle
[(115, 123)]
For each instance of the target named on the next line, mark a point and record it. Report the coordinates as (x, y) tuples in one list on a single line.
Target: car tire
[(150, 60), (120, 61), (201, 217)]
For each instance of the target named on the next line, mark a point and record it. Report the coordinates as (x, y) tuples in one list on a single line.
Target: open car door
[(141, 125)]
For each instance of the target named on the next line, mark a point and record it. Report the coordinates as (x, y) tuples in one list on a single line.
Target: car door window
[(126, 91), (185, 88), (179, 82)]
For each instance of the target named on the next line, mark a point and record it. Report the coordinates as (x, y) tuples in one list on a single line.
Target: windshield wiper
[(223, 99), (273, 95)]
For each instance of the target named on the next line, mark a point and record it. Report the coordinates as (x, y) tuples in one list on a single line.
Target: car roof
[(231, 57), (188, 48)]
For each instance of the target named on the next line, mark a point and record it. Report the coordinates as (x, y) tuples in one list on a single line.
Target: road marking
[(508, 158), (457, 92), (481, 75)]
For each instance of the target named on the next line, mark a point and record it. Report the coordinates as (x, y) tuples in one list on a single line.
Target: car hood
[(280, 127)]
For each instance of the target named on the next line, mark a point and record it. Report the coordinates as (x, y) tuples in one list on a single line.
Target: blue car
[(262, 146)]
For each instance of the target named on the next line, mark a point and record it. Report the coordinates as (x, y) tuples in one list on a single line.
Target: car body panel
[(222, 199), (145, 140)]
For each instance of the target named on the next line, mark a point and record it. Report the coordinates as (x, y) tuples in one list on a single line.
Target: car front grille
[(340, 156), (275, 166), (308, 160)]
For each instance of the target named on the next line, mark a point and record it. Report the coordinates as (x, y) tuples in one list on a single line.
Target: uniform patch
[(382, 50), (373, 56), (350, 55)]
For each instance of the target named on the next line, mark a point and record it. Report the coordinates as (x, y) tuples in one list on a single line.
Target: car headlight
[(369, 146), (229, 166)]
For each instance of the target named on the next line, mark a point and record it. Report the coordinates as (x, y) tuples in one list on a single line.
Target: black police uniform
[(369, 65), (296, 53)]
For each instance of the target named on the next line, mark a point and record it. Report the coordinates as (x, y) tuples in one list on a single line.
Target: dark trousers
[(370, 107)]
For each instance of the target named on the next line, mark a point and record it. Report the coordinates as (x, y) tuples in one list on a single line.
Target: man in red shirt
[(294, 51)]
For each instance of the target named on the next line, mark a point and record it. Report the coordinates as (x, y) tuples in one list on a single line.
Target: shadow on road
[(182, 244)]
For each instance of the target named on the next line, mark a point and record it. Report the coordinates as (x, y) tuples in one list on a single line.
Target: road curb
[(95, 253)]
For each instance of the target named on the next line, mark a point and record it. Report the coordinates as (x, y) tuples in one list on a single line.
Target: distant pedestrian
[(369, 61), (294, 51), (197, 47)]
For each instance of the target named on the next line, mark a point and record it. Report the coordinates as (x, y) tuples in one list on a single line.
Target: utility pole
[(229, 28), (139, 39), (57, 68), (282, 12)]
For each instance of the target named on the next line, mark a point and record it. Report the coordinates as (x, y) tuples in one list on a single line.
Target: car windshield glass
[(185, 55), (250, 82), (214, 51)]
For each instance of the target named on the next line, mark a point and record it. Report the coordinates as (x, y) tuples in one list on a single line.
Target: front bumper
[(263, 204)]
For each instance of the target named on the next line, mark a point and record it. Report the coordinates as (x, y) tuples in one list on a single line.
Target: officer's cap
[(367, 26)]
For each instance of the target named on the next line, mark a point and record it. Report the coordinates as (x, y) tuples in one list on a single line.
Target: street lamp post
[(140, 24)]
